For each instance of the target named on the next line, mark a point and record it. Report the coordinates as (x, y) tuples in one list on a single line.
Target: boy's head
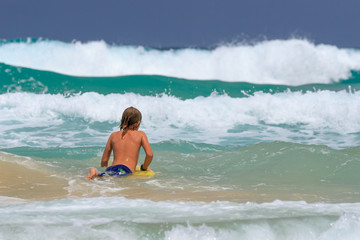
[(130, 117)]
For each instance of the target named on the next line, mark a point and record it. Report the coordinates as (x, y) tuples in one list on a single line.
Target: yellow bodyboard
[(142, 174)]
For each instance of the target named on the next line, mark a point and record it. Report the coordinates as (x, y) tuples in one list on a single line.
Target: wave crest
[(285, 62)]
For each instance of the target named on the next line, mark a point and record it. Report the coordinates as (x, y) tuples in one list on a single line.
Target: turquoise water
[(250, 141)]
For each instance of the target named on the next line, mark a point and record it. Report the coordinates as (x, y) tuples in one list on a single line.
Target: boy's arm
[(107, 153), (149, 154)]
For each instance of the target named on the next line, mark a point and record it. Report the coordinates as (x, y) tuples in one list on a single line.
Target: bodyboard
[(138, 174)]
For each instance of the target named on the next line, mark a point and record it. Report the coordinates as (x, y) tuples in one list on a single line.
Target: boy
[(126, 146)]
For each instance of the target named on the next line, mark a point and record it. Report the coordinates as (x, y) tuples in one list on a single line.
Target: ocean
[(251, 140)]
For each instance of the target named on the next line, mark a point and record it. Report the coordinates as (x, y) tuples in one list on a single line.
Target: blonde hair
[(129, 118)]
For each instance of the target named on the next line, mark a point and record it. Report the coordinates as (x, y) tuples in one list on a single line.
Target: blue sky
[(194, 23)]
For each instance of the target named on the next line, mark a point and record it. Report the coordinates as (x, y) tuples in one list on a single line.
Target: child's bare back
[(125, 145)]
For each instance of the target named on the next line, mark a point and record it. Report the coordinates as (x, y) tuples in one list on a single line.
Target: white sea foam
[(134, 219), (29, 119), (289, 62)]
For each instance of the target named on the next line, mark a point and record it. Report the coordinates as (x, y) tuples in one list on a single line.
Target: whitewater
[(250, 141), (286, 62)]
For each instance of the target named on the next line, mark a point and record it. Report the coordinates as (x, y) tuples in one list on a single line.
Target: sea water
[(250, 141)]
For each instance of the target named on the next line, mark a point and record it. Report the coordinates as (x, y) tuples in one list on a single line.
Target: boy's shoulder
[(141, 133), (116, 133)]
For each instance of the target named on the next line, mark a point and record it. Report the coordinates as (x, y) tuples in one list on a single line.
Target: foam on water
[(290, 116), (134, 219), (286, 62)]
